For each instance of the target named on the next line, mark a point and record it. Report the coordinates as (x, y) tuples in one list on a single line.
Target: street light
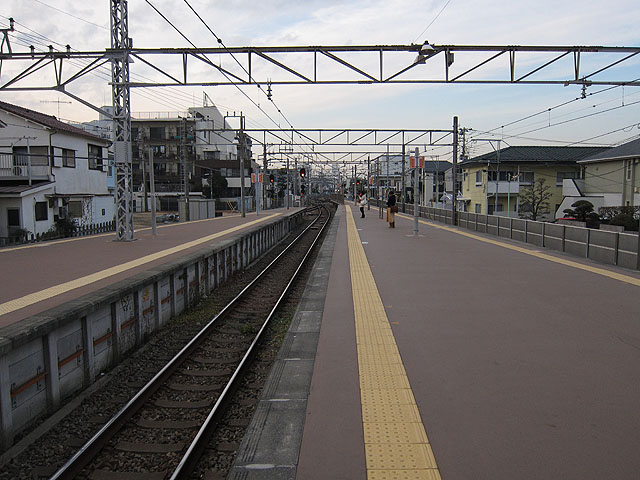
[(426, 51)]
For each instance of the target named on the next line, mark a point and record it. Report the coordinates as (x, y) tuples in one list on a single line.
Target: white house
[(49, 170), (611, 179)]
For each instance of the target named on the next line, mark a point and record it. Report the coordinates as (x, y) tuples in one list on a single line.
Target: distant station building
[(49, 170)]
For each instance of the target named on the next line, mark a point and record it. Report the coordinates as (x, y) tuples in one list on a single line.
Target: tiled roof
[(16, 189), (537, 154), (47, 121), (629, 149)]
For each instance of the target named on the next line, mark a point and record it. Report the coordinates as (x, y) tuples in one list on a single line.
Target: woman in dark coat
[(391, 209)]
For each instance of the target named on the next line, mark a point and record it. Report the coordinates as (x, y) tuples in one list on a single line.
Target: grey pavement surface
[(522, 368)]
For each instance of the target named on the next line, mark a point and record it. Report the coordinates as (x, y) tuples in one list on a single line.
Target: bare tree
[(534, 199)]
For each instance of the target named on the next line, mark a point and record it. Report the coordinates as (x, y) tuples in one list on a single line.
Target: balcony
[(16, 167), (504, 188)]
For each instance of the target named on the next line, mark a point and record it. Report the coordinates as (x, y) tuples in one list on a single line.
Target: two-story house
[(491, 183), (48, 170), (611, 179)]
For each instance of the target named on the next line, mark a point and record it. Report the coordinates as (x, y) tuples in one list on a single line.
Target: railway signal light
[(271, 178), (302, 172)]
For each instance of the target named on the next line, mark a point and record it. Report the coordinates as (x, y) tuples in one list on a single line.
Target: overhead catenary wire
[(432, 21), (547, 110), (219, 40), (176, 98)]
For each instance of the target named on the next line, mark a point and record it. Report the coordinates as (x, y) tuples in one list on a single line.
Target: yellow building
[(491, 183)]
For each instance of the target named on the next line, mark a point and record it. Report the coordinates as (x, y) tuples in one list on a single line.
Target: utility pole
[(416, 195), (265, 166), (242, 141), (495, 203), (404, 185), (378, 196), (368, 182), (183, 159), (295, 180), (454, 220), (152, 187), (388, 170)]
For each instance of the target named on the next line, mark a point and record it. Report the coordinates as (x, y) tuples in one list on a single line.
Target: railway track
[(164, 429)]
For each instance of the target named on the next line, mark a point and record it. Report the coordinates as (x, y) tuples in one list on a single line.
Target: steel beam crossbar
[(340, 137), (407, 68)]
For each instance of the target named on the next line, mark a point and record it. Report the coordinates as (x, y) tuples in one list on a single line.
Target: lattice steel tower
[(120, 47)]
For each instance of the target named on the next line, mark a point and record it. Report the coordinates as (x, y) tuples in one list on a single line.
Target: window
[(13, 217), (479, 177), (629, 169), (75, 209), (492, 208), (95, 157), (157, 133), (42, 211), (211, 155), (159, 149), (560, 176), (478, 208), (68, 158), (526, 177)]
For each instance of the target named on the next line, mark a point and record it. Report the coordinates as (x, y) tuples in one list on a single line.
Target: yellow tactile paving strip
[(396, 444), (50, 292), (598, 271), (110, 234)]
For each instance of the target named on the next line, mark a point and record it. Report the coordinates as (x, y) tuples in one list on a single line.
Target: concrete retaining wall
[(47, 358)]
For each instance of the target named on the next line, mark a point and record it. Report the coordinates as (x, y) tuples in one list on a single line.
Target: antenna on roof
[(58, 102)]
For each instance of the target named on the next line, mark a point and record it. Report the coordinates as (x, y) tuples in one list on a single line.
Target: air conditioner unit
[(20, 171)]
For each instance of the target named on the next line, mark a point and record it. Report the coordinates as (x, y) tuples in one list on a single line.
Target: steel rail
[(198, 445), (92, 447)]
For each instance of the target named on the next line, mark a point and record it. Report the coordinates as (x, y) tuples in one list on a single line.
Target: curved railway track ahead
[(162, 431)]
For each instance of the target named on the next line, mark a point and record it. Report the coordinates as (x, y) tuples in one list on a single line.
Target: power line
[(432, 21), (557, 106), (268, 95), (70, 14)]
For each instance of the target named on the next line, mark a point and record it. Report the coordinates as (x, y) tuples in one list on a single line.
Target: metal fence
[(613, 248), (81, 231)]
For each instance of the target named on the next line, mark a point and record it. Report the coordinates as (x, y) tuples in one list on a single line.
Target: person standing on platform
[(392, 208), (362, 202)]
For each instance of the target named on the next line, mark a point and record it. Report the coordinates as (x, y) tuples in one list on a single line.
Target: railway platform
[(44, 275), (451, 354)]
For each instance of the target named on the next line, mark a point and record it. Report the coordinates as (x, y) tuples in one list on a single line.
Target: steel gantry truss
[(324, 144), (373, 64)]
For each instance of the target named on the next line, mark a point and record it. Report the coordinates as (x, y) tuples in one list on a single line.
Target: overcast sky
[(484, 108)]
